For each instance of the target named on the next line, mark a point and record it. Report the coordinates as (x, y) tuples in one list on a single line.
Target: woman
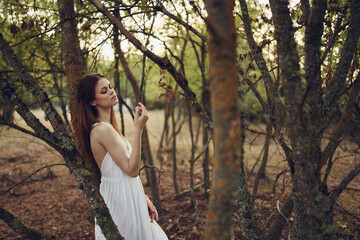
[(119, 163)]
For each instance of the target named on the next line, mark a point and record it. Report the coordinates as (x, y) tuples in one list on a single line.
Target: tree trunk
[(74, 72), (280, 221), (173, 150), (225, 115), (59, 139), (8, 112), (312, 208)]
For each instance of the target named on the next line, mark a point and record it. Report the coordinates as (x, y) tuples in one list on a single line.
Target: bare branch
[(40, 130), (338, 80), (260, 61), (30, 175), (39, 94), (19, 227), (335, 137), (180, 21), (342, 185), (163, 63)]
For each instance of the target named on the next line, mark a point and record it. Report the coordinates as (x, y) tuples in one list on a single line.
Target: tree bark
[(65, 145), (225, 115), (314, 91), (60, 129), (87, 167), (312, 208), (338, 80)]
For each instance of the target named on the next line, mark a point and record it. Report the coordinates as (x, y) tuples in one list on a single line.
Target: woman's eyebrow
[(103, 88)]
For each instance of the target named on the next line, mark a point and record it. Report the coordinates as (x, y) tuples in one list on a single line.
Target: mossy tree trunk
[(307, 111), (60, 139), (74, 72)]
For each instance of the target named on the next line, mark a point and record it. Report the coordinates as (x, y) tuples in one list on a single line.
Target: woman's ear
[(93, 103)]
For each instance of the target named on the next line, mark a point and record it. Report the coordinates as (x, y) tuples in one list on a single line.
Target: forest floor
[(50, 201)]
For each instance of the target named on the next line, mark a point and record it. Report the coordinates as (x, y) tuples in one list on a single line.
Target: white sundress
[(125, 198)]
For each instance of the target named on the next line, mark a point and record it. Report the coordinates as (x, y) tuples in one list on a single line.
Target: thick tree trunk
[(74, 72), (312, 208), (59, 140), (314, 91), (225, 113)]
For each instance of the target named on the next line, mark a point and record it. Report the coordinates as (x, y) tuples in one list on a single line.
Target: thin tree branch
[(180, 21), (163, 63), (30, 175), (335, 137), (337, 82)]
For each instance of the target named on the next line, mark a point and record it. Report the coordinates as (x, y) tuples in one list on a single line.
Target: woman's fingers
[(137, 111), (152, 216), (156, 215), (152, 211), (142, 105)]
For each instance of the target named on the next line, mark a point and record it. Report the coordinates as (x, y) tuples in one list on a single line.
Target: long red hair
[(87, 114)]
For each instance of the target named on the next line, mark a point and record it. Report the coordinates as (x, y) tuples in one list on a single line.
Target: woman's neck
[(104, 115)]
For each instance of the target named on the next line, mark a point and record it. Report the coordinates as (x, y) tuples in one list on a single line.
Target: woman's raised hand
[(141, 116)]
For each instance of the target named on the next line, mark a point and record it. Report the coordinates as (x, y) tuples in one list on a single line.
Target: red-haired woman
[(118, 162)]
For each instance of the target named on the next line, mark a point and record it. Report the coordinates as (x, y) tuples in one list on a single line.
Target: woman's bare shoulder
[(100, 130)]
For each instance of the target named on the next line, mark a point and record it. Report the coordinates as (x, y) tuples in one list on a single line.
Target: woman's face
[(105, 95)]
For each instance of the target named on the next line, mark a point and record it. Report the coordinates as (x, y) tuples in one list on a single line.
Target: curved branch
[(181, 22), (338, 80), (19, 227), (341, 187), (343, 123), (163, 63), (266, 108), (40, 130), (260, 61), (39, 94), (32, 174), (21, 129)]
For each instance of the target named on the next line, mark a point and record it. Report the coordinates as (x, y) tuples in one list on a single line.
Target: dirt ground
[(50, 201)]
